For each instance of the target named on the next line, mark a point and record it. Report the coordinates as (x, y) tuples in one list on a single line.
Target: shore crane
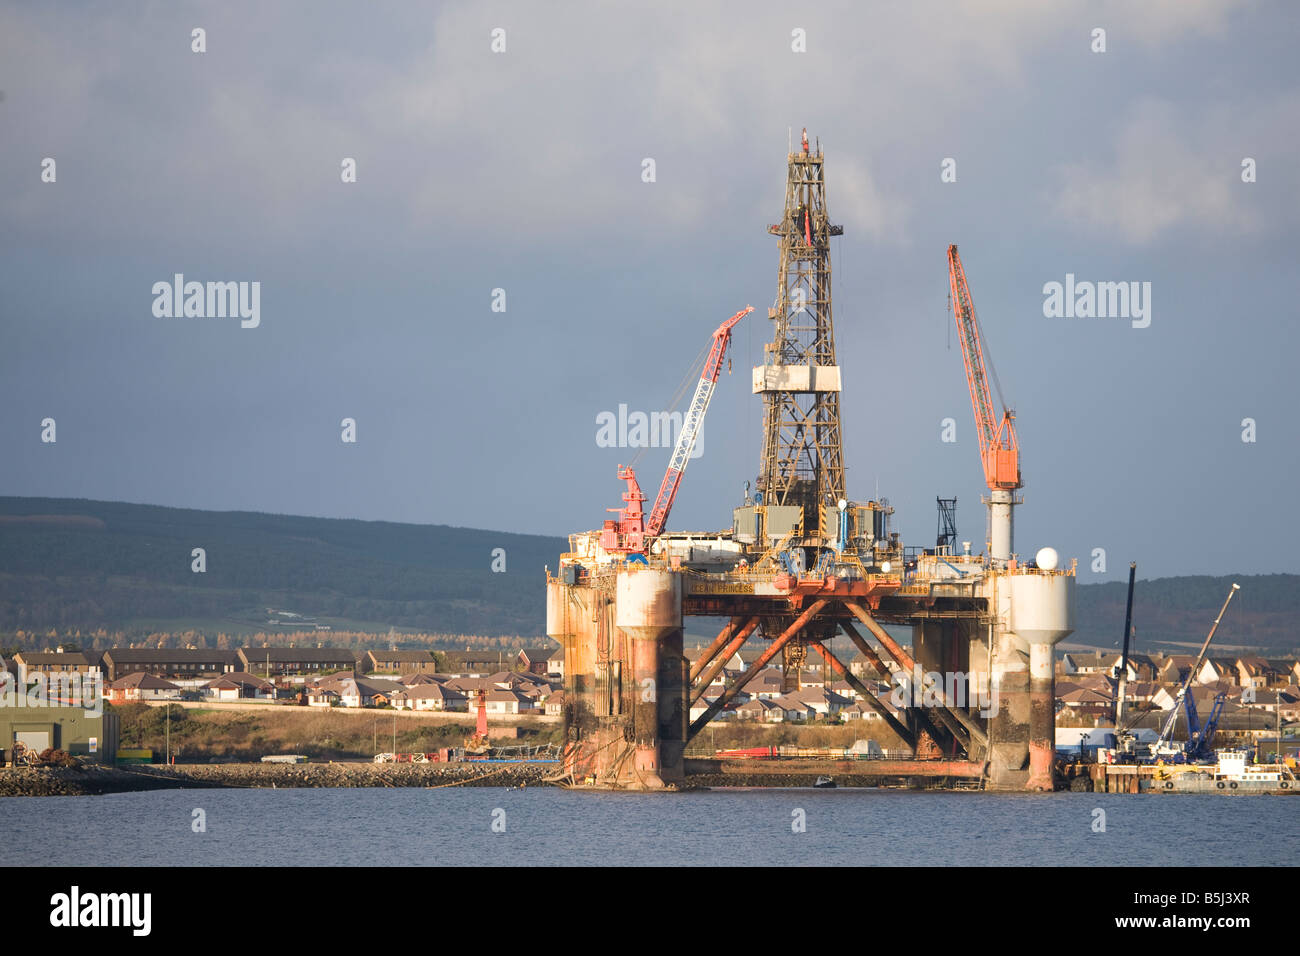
[(1199, 739), (631, 532), (999, 447)]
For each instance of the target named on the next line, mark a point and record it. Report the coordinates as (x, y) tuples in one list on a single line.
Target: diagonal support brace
[(730, 693)]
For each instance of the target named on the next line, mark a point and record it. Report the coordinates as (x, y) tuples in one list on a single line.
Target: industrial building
[(89, 737)]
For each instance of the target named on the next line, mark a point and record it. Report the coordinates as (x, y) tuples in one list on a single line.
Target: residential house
[(501, 701), (767, 684), (1106, 663), (701, 706), (169, 662), (844, 689), (240, 686), (1095, 683), (323, 697), (295, 660), (813, 678), (354, 691), (399, 662), (1268, 701), (501, 680), (429, 697), (1288, 672), (50, 663), (475, 663), (861, 666), (555, 663), (863, 711), (537, 660), (824, 703), (1087, 702), (1141, 667), (415, 680), (1256, 672), (554, 704), (141, 687), (758, 708), (1216, 669), (1089, 662), (1174, 668), (795, 710)]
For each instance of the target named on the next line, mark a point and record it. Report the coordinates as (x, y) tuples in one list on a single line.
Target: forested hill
[(69, 563), (1179, 611), (75, 564)]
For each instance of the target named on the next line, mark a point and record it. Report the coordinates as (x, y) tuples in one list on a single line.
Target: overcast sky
[(522, 170)]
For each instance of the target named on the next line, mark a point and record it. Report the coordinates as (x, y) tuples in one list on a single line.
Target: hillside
[(76, 564), (1171, 614), (67, 563)]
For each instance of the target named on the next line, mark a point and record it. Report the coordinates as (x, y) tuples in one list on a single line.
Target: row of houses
[(269, 662), (1253, 671), (504, 693), (236, 685), (1089, 695), (1094, 696)]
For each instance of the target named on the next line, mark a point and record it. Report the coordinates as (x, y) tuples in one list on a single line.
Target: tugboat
[(1234, 773)]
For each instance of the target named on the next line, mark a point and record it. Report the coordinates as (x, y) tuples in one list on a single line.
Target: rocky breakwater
[(59, 781)]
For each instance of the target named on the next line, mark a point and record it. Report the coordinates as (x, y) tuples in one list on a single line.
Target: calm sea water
[(545, 826)]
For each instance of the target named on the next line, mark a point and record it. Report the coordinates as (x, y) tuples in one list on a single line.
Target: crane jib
[(691, 425), (999, 449)]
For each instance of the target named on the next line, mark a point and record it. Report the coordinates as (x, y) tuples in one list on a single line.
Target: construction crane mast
[(631, 532), (1198, 738), (999, 447)]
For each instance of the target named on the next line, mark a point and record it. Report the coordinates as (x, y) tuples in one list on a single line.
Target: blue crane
[(1199, 739)]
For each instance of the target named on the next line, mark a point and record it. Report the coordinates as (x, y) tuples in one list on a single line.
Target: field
[(321, 734)]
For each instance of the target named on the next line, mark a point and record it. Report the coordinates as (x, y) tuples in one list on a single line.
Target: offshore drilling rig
[(803, 563)]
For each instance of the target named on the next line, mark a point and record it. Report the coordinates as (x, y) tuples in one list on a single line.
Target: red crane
[(629, 532), (999, 447)]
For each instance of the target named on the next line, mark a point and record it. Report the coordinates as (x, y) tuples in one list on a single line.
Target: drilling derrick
[(802, 468), (803, 463)]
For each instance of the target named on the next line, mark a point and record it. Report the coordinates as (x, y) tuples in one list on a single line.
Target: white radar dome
[(1047, 559)]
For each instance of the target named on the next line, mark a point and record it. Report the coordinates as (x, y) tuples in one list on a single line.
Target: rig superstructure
[(803, 563)]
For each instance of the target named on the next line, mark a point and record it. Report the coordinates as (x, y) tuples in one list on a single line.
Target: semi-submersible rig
[(802, 562)]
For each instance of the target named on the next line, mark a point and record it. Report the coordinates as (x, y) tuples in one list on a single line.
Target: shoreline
[(96, 781)]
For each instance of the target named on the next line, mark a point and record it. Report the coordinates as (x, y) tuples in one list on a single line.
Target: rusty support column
[(856, 683), (720, 661), (1042, 718), (729, 694), (706, 657)]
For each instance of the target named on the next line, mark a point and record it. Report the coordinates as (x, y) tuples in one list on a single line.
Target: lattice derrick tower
[(803, 461)]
